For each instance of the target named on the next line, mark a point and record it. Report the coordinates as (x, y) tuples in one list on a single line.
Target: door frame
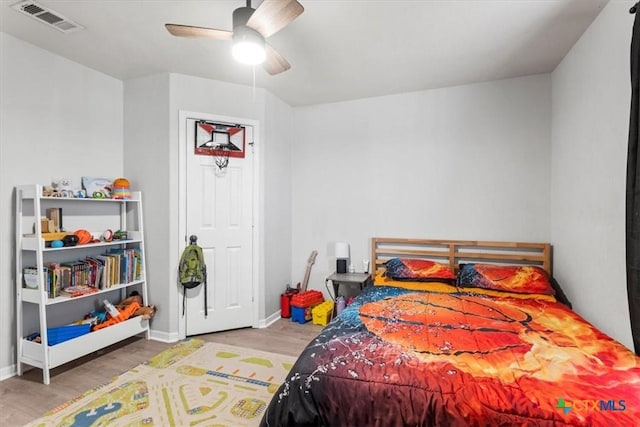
[(254, 145)]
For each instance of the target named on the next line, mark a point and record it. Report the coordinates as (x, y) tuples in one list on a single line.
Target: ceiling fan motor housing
[(241, 32), (241, 15)]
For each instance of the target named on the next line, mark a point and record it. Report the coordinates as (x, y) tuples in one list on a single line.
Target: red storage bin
[(307, 298), (285, 302)]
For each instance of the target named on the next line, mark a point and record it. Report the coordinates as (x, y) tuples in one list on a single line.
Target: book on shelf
[(105, 278), (95, 272), (128, 264), (66, 275), (137, 255), (78, 291), (77, 272), (53, 279)]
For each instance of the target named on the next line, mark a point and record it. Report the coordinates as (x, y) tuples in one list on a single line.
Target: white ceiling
[(338, 50)]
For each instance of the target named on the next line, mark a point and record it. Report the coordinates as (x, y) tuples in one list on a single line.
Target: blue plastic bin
[(65, 333)]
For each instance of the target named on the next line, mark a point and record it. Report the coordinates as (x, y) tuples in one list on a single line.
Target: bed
[(460, 333)]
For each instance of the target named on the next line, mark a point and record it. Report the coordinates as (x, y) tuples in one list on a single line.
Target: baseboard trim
[(8, 372), (265, 323), (168, 337), (171, 337)]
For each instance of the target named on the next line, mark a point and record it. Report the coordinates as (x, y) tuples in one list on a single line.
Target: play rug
[(194, 383)]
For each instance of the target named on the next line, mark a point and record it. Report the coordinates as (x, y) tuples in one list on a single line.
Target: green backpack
[(192, 271)]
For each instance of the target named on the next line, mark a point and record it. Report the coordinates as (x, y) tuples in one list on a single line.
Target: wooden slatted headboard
[(455, 252)]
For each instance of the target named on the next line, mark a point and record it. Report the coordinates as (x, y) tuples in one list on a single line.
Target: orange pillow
[(526, 279)]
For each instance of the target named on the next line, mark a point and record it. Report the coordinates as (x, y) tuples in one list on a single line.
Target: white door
[(219, 205)]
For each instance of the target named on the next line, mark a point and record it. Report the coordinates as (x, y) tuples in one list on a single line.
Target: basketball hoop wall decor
[(221, 140)]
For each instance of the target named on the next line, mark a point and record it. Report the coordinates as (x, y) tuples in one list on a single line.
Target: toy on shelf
[(93, 188), (120, 235), (49, 191), (84, 236), (133, 297), (146, 311), (125, 309), (121, 189), (97, 188), (64, 187), (120, 317)]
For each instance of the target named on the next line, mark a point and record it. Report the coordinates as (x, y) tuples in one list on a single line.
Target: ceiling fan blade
[(274, 63), (196, 32), (273, 15)]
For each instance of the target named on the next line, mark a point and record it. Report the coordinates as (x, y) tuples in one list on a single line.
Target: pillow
[(418, 270), (447, 288), (508, 278), (443, 286)]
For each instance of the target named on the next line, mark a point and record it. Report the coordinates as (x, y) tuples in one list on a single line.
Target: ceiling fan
[(250, 28)]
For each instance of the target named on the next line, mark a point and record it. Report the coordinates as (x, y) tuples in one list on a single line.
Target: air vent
[(47, 16)]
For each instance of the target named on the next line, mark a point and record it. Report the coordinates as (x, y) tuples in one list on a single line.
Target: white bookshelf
[(36, 311)]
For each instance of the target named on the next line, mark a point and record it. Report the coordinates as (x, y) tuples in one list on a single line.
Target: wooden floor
[(24, 399)]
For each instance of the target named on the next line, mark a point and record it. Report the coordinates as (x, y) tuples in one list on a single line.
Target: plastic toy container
[(303, 303), (307, 298), (65, 333), (322, 313)]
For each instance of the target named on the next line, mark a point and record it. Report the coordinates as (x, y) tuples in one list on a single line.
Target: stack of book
[(116, 266)]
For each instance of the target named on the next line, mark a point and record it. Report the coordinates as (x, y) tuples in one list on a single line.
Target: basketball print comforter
[(402, 357)]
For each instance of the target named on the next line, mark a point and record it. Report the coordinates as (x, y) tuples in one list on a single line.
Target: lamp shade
[(342, 250)]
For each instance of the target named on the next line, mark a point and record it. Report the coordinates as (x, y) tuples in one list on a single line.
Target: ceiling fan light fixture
[(250, 29), (248, 46)]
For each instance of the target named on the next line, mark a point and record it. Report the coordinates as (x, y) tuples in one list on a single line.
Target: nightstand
[(349, 279)]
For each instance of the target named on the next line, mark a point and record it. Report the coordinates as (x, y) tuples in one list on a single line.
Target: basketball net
[(222, 156)]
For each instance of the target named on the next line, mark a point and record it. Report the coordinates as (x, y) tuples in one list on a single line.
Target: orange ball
[(84, 236)]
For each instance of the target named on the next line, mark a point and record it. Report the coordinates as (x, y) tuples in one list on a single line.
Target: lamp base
[(341, 266)]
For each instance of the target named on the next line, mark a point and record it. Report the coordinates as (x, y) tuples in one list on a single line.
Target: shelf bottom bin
[(34, 353)]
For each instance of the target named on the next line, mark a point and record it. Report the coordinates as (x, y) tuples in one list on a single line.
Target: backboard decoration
[(214, 139)]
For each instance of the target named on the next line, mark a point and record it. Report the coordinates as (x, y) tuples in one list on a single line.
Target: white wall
[(277, 165), (468, 162), (57, 119), (156, 101), (147, 157), (591, 99)]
